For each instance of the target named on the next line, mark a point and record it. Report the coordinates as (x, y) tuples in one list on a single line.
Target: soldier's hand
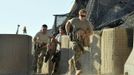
[(44, 46), (49, 47)]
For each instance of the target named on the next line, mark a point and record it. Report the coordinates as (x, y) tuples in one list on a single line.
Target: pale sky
[(30, 13)]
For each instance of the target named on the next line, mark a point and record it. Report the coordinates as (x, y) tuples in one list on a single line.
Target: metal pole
[(17, 29)]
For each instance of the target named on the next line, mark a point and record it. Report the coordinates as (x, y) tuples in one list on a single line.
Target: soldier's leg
[(71, 66), (51, 67), (40, 59), (49, 62), (77, 65), (78, 68), (35, 59), (35, 63), (47, 56), (40, 64), (78, 72), (77, 56), (56, 60)]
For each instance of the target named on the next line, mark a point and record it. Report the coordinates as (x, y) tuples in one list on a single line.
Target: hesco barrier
[(114, 51), (129, 65), (15, 54)]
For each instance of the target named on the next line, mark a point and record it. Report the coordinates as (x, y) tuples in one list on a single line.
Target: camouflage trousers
[(78, 51), (38, 59)]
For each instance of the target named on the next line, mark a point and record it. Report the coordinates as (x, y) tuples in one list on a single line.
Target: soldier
[(40, 46), (54, 51), (51, 51), (80, 30), (57, 55)]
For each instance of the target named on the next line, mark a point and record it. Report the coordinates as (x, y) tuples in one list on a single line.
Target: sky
[(30, 13)]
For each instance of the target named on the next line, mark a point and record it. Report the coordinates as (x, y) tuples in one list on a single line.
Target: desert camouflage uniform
[(80, 37), (40, 48)]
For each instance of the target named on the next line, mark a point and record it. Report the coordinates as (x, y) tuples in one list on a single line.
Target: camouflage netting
[(59, 20), (129, 22), (101, 13), (107, 11)]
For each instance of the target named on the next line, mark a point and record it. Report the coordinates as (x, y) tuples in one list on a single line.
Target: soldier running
[(40, 47), (80, 35)]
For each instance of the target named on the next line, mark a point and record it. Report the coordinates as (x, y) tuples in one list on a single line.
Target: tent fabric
[(101, 13)]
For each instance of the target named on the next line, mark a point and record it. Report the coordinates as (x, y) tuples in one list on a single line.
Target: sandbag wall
[(114, 51), (129, 65), (15, 54)]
